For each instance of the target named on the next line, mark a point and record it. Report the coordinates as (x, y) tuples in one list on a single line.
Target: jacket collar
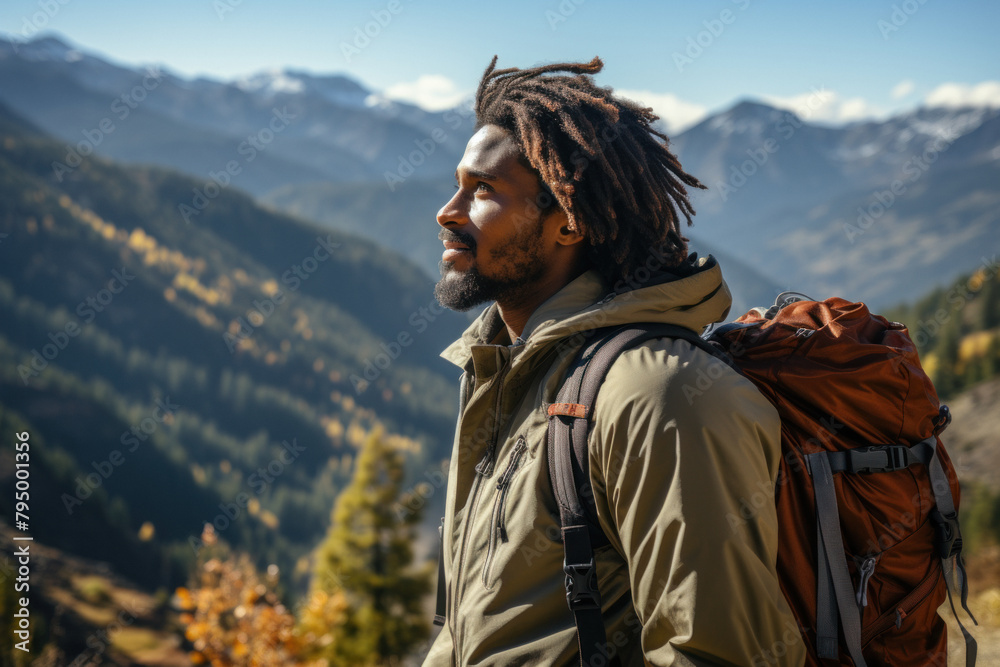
[(693, 295)]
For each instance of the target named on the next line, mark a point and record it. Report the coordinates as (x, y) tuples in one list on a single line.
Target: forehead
[(493, 150)]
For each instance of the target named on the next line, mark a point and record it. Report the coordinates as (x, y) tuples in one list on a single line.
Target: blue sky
[(867, 58)]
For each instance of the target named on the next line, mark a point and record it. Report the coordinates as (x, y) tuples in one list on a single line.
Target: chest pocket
[(501, 508)]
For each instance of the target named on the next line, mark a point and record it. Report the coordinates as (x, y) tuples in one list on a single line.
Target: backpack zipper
[(499, 523), (866, 570), (895, 615)]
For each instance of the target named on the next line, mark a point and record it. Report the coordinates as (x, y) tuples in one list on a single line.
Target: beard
[(516, 263)]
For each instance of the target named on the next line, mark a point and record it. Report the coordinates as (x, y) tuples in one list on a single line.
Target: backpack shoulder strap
[(569, 426)]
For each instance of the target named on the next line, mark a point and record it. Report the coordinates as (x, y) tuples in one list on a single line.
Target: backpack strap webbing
[(835, 596), (569, 471), (949, 541)]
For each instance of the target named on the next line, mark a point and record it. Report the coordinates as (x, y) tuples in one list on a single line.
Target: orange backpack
[(866, 496)]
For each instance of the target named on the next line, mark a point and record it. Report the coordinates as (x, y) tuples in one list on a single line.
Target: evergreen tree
[(366, 563), (989, 314), (947, 380)]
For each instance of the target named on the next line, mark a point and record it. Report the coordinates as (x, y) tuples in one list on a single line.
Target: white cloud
[(675, 113), (822, 105), (985, 94), (902, 89), (432, 92)]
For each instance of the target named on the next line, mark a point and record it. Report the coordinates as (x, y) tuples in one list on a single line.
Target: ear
[(567, 232)]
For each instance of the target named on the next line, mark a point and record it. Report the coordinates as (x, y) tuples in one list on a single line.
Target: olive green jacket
[(684, 454)]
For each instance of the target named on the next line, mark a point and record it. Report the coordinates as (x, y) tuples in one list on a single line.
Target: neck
[(516, 311)]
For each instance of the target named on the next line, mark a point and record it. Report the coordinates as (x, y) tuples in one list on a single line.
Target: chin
[(449, 269)]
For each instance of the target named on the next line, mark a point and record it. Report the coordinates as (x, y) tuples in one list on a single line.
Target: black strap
[(833, 584), (569, 471), (949, 543)]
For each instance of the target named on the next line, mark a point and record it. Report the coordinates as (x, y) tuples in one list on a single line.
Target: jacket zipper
[(483, 469), (499, 523), (485, 466)]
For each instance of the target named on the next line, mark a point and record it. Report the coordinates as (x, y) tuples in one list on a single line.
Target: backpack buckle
[(581, 586), (879, 459), (947, 535)]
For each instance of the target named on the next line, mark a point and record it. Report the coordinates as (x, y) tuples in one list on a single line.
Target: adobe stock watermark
[(47, 10), (562, 12), (773, 654), (292, 278), (786, 127), (885, 198), (704, 39), (420, 493), (364, 34), (426, 146), (373, 366), (258, 482), (122, 107), (100, 640), (926, 330), (764, 496), (248, 149), (132, 438), (901, 13), (87, 311), (223, 7)]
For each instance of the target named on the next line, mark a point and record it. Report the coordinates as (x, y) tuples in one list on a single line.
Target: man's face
[(492, 228)]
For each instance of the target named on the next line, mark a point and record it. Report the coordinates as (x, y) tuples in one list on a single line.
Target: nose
[(455, 211)]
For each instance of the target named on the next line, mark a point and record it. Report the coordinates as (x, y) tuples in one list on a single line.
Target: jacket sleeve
[(684, 456), (440, 653)]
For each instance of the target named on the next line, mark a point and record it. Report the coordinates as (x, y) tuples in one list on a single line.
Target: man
[(566, 218)]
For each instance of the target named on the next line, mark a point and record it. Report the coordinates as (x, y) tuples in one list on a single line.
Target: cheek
[(490, 221), (485, 211)]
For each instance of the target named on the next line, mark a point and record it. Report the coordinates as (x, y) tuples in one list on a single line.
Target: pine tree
[(366, 565), (947, 380), (989, 314)]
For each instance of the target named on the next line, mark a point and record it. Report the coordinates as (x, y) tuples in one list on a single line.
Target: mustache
[(449, 235)]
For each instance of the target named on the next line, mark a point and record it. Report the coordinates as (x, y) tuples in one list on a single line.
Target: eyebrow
[(481, 175)]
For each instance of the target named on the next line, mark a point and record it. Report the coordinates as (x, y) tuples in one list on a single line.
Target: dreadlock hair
[(599, 157)]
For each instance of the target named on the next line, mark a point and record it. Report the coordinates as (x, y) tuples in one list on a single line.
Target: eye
[(483, 186)]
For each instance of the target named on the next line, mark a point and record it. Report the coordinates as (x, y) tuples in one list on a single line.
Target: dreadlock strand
[(628, 196)]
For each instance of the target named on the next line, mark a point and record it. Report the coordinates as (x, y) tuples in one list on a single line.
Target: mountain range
[(336, 129), (877, 210)]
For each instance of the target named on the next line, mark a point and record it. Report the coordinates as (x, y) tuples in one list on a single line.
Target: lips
[(454, 250)]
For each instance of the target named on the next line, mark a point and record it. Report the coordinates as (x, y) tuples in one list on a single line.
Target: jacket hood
[(693, 295)]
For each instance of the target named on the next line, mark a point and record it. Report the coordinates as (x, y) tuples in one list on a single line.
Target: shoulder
[(674, 372), (668, 396)]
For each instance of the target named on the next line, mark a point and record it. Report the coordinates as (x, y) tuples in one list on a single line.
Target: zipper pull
[(503, 484), (900, 615), (515, 459), (866, 570), (485, 467)]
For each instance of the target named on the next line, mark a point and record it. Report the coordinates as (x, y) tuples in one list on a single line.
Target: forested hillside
[(957, 328), (222, 371)]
